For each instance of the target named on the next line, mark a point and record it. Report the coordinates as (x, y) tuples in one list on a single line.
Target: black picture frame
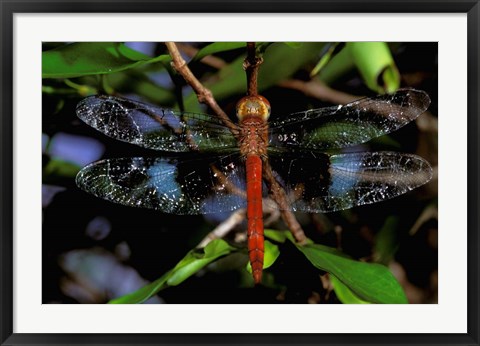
[(10, 7)]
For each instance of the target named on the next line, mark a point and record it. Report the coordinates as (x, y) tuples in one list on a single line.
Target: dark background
[(92, 263)]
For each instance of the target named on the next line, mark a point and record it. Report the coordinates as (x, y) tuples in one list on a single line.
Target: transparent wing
[(317, 182), (172, 185), (351, 124), (154, 127)]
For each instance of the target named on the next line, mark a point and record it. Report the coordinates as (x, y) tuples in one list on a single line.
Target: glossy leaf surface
[(194, 261), (89, 58)]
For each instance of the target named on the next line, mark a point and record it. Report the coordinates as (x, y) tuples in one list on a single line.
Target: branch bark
[(317, 89), (224, 228), (251, 66), (204, 95), (209, 60)]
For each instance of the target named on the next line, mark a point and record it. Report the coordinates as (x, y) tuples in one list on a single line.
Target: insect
[(236, 166)]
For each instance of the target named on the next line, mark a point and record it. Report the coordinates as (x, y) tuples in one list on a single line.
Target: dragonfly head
[(253, 106)]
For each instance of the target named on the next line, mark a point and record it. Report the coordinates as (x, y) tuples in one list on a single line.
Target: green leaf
[(328, 133), (263, 46), (144, 293), (369, 281), (189, 265), (324, 60), (88, 58), (294, 44), (386, 243), (82, 90), (344, 294), (375, 63), (140, 84), (57, 168), (217, 47), (278, 236), (384, 142), (271, 254), (193, 262), (338, 66), (280, 62)]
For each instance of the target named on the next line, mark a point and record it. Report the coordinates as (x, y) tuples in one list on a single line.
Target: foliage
[(194, 261), (83, 59), (73, 70), (365, 282)]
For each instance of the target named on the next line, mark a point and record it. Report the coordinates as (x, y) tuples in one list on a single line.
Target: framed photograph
[(213, 174)]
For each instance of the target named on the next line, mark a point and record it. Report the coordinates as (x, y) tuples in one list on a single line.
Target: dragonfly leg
[(280, 197)]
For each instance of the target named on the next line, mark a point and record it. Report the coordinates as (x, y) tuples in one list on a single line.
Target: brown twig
[(204, 95), (430, 212), (234, 220), (209, 60), (224, 228), (272, 214), (317, 89), (227, 184), (251, 65)]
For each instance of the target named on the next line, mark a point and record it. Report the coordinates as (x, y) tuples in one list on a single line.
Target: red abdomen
[(255, 215)]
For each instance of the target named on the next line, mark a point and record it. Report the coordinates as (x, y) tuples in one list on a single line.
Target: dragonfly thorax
[(253, 106), (253, 136)]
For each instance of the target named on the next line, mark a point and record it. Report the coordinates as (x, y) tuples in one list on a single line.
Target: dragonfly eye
[(253, 106)]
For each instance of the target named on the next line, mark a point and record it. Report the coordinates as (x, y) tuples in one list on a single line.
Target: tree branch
[(315, 88), (209, 60), (224, 228), (251, 64), (204, 95)]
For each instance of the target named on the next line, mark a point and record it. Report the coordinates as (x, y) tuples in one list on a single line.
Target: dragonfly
[(232, 166)]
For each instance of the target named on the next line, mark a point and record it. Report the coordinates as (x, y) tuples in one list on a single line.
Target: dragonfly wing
[(171, 185), (154, 127), (351, 124), (317, 182)]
